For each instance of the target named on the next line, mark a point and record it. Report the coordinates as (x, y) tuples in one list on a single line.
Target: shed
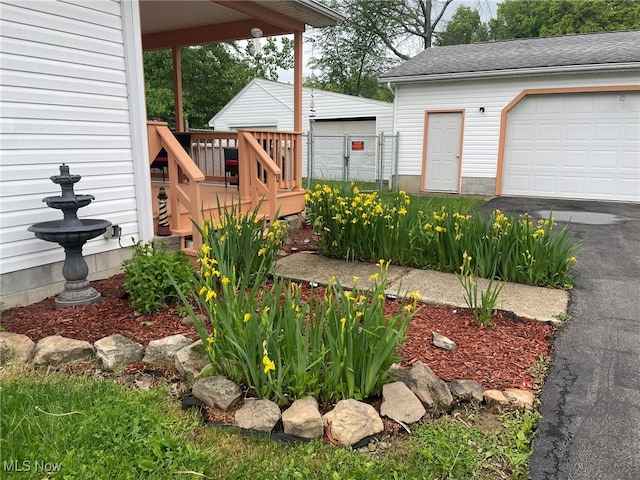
[(268, 105), (555, 117)]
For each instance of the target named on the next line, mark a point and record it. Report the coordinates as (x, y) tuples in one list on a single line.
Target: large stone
[(495, 397), (162, 352), (190, 361), (15, 347), (258, 415), (431, 391), (400, 403), (351, 421), (522, 398), (56, 350), (117, 350), (441, 341), (218, 391), (303, 419), (467, 390)]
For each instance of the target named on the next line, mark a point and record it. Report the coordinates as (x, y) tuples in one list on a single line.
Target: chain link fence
[(368, 160)]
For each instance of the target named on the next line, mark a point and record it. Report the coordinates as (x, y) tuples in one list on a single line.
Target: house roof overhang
[(512, 73), (589, 52), (177, 23)]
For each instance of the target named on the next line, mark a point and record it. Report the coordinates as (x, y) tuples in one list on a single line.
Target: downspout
[(395, 135)]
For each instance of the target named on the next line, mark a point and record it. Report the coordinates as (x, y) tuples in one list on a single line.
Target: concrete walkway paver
[(438, 288)]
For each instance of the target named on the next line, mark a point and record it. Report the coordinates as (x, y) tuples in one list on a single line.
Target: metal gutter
[(519, 72), (315, 8)]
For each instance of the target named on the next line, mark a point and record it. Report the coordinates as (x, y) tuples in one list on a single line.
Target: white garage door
[(583, 145), (346, 149), (364, 126)]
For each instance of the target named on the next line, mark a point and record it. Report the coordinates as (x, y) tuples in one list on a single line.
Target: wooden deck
[(269, 176), (215, 198)]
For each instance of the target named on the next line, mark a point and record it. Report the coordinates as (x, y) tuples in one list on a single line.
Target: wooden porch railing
[(180, 165), (207, 151), (269, 170), (268, 167)]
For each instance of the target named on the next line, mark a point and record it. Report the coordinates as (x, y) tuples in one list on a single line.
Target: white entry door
[(443, 151)]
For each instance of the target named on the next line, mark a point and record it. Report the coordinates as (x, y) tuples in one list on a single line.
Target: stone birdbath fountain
[(71, 233)]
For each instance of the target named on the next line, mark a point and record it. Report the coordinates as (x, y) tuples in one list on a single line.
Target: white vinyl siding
[(263, 102), (481, 130), (64, 100)]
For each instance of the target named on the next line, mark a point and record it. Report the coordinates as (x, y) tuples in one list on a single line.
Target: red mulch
[(497, 357)]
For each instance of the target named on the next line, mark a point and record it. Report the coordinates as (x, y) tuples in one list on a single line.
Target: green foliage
[(361, 345), (481, 305), (221, 68), (349, 57), (360, 226), (544, 18), (242, 242), (147, 276), (465, 26), (263, 335)]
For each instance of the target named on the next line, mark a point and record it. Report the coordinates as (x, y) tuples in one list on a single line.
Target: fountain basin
[(62, 203), (54, 231)]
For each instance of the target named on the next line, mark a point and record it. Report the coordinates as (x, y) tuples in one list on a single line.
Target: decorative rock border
[(405, 401)]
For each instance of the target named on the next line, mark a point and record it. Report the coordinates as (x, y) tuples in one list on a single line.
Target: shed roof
[(594, 51), (283, 94)]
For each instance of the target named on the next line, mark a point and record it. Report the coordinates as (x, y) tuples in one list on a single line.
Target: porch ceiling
[(171, 23)]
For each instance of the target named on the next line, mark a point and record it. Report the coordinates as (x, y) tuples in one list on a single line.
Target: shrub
[(148, 276), (242, 241)]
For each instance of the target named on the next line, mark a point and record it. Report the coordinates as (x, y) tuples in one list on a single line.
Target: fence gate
[(352, 157)]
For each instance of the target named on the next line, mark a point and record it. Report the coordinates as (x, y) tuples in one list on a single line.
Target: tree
[(465, 26), (375, 36), (543, 18), (351, 56), (211, 76), (265, 61), (585, 16), (420, 18)]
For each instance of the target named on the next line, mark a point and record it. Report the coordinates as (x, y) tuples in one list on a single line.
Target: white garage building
[(554, 117)]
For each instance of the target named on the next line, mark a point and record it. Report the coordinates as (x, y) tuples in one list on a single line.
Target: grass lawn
[(81, 427)]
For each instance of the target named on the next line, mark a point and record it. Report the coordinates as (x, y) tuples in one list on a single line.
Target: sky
[(487, 9)]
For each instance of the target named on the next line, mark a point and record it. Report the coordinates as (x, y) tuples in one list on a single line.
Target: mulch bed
[(497, 357)]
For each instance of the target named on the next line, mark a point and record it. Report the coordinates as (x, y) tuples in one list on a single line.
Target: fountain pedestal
[(71, 233)]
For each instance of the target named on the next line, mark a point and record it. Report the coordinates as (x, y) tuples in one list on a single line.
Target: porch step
[(182, 232), (190, 251)]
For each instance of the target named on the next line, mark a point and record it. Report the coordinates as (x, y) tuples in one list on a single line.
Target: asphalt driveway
[(590, 426)]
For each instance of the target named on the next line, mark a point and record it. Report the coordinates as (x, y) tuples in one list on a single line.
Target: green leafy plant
[(261, 333), (244, 240), (361, 343), (146, 276), (362, 226), (482, 303)]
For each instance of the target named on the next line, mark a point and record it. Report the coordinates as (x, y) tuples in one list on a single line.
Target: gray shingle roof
[(512, 56)]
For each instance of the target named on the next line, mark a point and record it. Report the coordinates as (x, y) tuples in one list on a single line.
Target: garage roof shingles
[(610, 48)]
